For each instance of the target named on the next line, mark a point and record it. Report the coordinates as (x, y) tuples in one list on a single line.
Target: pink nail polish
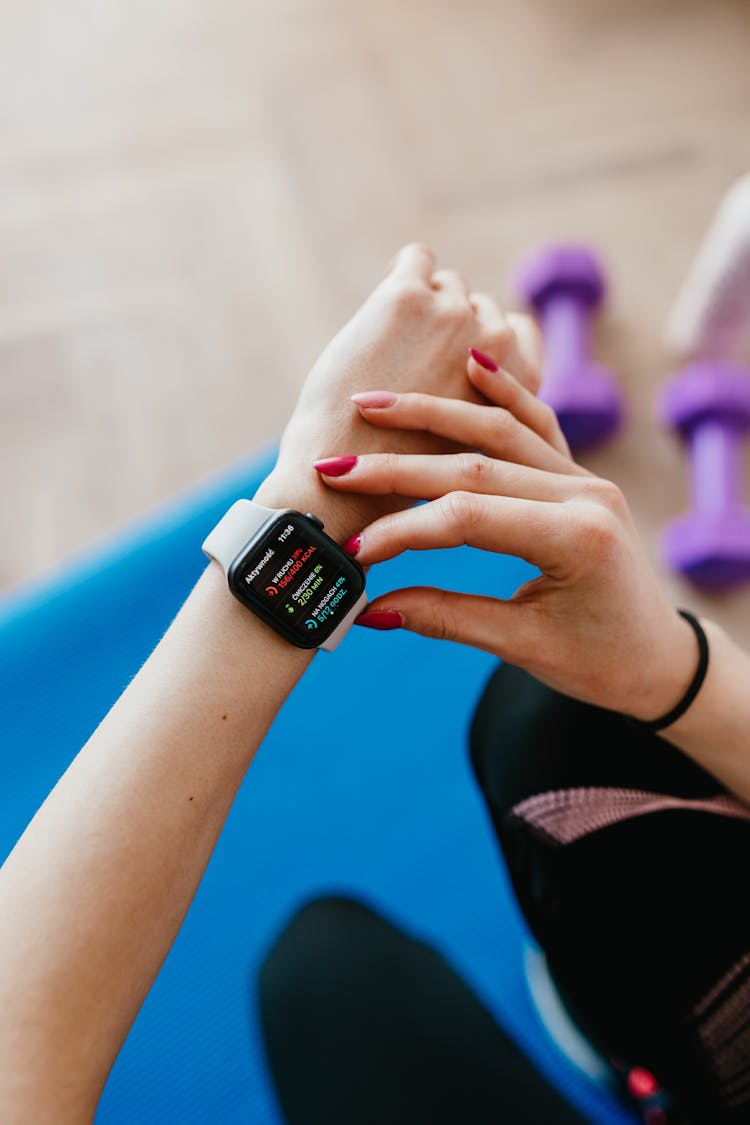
[(335, 466), (375, 400), (352, 545), (483, 360), (380, 619)]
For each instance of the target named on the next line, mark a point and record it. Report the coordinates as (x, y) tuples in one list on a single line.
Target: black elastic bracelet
[(695, 685)]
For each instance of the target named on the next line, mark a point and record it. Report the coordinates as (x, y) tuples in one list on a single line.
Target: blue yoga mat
[(362, 787)]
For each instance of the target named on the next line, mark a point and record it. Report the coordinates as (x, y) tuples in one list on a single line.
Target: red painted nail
[(375, 400), (335, 466), (483, 360), (352, 545), (642, 1084), (380, 619)]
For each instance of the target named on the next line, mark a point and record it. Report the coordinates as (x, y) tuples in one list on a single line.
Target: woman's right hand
[(596, 624)]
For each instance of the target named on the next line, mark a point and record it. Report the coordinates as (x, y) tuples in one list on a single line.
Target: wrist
[(678, 673), (698, 719), (228, 633), (713, 732), (299, 486), (668, 671)]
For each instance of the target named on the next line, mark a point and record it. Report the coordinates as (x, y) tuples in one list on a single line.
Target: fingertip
[(492, 385), (374, 400), (335, 466), (482, 360), (353, 545), (381, 619)]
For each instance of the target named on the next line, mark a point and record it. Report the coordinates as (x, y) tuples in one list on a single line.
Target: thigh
[(365, 1024), (624, 857)]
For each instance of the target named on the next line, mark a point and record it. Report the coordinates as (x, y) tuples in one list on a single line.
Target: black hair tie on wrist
[(695, 685)]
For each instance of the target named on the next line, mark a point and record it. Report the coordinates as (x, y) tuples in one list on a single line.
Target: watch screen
[(298, 579)]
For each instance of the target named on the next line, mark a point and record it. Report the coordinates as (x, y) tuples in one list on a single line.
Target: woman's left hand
[(412, 333), (596, 625)]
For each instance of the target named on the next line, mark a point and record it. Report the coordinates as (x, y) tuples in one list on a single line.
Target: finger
[(495, 333), (502, 628), (500, 388), (525, 356), (492, 429), (529, 529), (426, 477), (415, 262), (452, 283)]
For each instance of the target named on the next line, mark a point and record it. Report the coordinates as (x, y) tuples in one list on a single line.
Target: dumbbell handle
[(565, 325), (715, 466)]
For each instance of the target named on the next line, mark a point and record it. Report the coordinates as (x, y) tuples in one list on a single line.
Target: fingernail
[(483, 360), (335, 466), (381, 619), (352, 545), (375, 400)]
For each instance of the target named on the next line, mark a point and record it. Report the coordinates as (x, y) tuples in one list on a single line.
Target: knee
[(310, 959)]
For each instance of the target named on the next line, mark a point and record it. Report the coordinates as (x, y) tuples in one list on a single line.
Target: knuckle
[(460, 279), (500, 334), (409, 297), (459, 508), (611, 496), (419, 248), (444, 622), (502, 338), (596, 532), (472, 468), (526, 325), (450, 278), (604, 492), (454, 314), (480, 303)]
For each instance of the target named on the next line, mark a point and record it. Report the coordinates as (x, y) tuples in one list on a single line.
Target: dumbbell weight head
[(568, 281), (588, 408), (709, 405), (569, 270)]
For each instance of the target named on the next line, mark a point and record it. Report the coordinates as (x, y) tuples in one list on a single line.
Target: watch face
[(297, 579)]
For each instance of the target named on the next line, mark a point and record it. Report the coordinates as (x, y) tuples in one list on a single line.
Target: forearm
[(714, 730), (97, 887)]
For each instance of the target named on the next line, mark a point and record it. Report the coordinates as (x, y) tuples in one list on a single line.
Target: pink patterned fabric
[(721, 1021), (566, 815)]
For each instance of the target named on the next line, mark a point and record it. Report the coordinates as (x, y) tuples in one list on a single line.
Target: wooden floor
[(194, 195)]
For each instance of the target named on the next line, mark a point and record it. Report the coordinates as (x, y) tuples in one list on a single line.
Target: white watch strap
[(235, 529), (345, 625)]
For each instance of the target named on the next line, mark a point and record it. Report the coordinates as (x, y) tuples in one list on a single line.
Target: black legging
[(628, 861)]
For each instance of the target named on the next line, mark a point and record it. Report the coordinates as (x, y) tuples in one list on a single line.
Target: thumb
[(470, 619)]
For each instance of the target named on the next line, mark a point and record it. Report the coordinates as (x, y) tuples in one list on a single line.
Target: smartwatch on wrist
[(282, 566)]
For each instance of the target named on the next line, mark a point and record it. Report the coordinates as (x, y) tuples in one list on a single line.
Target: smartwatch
[(282, 566)]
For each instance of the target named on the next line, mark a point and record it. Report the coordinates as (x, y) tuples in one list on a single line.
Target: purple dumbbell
[(709, 405), (565, 284)]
